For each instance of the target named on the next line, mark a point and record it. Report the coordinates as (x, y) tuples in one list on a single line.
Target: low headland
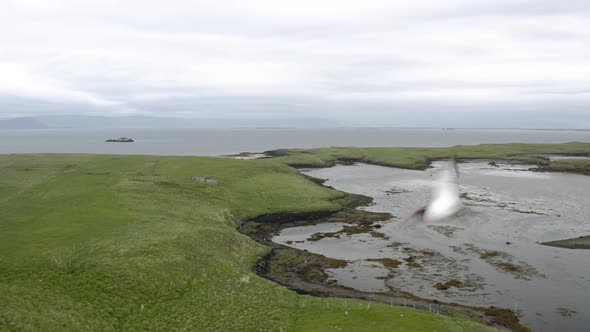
[(102, 242)]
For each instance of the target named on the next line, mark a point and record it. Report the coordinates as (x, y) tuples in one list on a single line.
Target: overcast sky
[(370, 62)]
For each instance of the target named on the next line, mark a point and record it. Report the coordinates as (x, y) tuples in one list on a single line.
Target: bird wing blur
[(445, 200)]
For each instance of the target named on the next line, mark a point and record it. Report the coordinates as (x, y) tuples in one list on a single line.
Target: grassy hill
[(95, 242)]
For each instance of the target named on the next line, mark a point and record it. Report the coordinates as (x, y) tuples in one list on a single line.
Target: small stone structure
[(205, 179)]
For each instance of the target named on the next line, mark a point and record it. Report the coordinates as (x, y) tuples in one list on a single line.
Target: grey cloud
[(386, 60)]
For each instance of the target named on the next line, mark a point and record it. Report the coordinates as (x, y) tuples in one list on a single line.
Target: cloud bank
[(366, 62)]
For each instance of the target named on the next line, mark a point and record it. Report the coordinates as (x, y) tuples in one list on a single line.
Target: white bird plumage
[(445, 200)]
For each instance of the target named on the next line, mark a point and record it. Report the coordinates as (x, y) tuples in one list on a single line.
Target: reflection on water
[(488, 255)]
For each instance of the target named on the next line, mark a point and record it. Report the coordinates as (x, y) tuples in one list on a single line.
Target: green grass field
[(419, 158), (91, 242), (95, 242)]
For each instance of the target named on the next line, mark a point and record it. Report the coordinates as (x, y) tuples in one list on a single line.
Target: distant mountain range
[(22, 123), (104, 122)]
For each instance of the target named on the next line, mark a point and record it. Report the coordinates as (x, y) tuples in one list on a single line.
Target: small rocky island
[(121, 140)]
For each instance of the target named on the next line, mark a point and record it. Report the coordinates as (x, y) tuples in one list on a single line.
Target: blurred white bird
[(445, 201)]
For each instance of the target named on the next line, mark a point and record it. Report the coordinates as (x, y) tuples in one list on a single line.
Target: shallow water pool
[(487, 255)]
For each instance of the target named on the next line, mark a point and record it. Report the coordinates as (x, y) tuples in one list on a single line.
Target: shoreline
[(582, 242), (303, 272), (542, 161)]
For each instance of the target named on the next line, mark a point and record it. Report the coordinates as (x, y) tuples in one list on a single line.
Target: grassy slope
[(131, 242), (580, 166), (419, 158)]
